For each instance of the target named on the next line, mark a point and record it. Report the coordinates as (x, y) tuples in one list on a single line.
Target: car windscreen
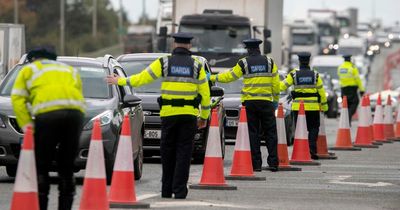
[(219, 39), (232, 87), (350, 51), (330, 70), (136, 66), (303, 39), (93, 84)]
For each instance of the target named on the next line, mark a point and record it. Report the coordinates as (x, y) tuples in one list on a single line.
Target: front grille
[(14, 124), (151, 113), (232, 112)]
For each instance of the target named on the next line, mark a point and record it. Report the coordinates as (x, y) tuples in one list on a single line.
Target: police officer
[(183, 88), (350, 83), (308, 87), (54, 92), (260, 95)]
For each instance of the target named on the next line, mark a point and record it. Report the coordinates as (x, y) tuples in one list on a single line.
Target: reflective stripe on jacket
[(349, 76), (308, 87), (183, 78), (260, 78), (47, 86)]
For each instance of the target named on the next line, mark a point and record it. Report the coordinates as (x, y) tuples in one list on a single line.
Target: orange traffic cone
[(122, 190), (397, 134), (343, 139), (388, 129), (282, 144), (322, 145), (94, 193), (301, 149), (363, 131), (25, 187), (242, 166), (212, 177), (371, 123), (379, 127)]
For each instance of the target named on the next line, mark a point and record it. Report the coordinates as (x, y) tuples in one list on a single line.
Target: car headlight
[(339, 100), (105, 118), (2, 124)]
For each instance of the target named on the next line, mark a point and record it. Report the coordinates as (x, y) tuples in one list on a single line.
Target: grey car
[(133, 64), (108, 103)]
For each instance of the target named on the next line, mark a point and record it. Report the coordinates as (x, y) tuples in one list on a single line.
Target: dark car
[(233, 105), (331, 96), (108, 103), (133, 64)]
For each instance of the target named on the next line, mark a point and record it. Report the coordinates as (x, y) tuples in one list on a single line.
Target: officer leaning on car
[(260, 96), (350, 83), (183, 88), (54, 92), (308, 87)]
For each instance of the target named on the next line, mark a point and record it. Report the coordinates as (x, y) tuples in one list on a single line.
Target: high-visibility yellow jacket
[(181, 81), (47, 86), (308, 87), (349, 76), (260, 78)]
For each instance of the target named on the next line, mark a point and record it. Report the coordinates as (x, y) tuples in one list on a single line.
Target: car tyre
[(138, 164), (109, 170), (11, 170)]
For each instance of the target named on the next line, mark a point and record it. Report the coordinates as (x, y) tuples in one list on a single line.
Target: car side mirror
[(131, 101), (217, 91)]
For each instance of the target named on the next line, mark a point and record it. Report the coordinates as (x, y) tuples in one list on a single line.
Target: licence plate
[(152, 134), (231, 123)]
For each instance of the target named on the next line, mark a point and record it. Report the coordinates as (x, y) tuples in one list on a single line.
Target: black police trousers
[(261, 122), (352, 99), (57, 136), (177, 139), (313, 122)]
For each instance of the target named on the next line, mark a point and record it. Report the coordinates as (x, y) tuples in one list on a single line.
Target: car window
[(136, 66)]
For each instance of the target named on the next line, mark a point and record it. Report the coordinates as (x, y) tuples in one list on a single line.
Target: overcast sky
[(387, 10)]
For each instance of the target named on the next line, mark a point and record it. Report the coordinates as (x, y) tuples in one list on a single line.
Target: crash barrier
[(322, 145), (388, 129), (301, 149), (122, 190), (94, 192), (392, 63), (379, 125), (242, 166), (363, 138), (397, 134), (283, 156), (25, 196), (343, 138), (212, 177)]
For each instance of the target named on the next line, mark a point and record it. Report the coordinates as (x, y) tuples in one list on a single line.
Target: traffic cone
[(343, 139), (322, 145), (122, 190), (388, 129), (379, 125), (212, 177), (94, 193), (397, 134), (25, 187), (371, 123), (363, 138), (301, 149), (242, 166), (282, 144)]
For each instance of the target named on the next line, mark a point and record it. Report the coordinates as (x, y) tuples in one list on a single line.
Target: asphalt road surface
[(367, 179)]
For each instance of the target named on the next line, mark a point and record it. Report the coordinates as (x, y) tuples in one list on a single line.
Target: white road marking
[(340, 180), (147, 196), (183, 203)]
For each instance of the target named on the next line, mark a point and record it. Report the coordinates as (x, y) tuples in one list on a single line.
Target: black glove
[(362, 93)]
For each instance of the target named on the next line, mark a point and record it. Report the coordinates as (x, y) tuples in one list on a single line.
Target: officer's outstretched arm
[(20, 98), (228, 76), (275, 83), (146, 76), (359, 82), (204, 91), (321, 92), (286, 83)]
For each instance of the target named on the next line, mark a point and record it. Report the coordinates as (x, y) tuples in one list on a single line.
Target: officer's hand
[(201, 123), (112, 79), (362, 93), (275, 103)]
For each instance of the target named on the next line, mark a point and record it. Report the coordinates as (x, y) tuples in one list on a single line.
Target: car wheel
[(222, 143), (138, 164), (109, 170), (11, 170)]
